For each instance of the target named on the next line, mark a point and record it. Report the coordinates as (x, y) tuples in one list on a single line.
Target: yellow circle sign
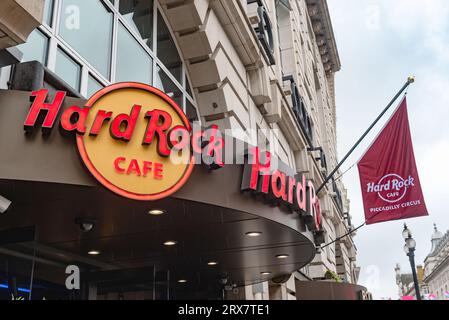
[(128, 146)]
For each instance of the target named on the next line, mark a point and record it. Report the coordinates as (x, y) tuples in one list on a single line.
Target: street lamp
[(409, 248)]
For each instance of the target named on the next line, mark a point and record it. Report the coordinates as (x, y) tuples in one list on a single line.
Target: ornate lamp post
[(409, 248)]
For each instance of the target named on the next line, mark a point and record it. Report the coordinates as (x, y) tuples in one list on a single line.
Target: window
[(139, 15), (35, 48), (164, 83), (93, 86), (191, 112), (133, 63), (94, 43), (166, 49), (68, 69), (48, 12), (87, 27), (284, 32), (188, 88)]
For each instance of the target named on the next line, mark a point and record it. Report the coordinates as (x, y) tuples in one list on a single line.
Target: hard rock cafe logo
[(133, 138), (391, 188)]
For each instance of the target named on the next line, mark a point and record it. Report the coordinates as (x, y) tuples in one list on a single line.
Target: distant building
[(436, 266), (404, 281)]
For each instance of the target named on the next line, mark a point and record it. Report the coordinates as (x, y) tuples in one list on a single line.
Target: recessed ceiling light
[(282, 256), (182, 281), (156, 212), (94, 252), (212, 263), (170, 243), (266, 273), (254, 234)]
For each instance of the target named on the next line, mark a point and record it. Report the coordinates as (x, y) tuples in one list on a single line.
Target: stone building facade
[(436, 267)]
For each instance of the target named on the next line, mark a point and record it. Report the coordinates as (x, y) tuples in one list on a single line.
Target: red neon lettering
[(296, 194), (51, 109), (101, 117), (147, 167), (80, 122), (301, 198), (129, 121), (312, 197), (318, 214), (158, 170), (159, 122), (279, 191), (314, 207), (134, 168), (258, 168), (117, 164), (291, 189), (144, 169)]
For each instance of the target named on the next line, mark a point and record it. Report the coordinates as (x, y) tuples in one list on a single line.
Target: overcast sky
[(381, 43)]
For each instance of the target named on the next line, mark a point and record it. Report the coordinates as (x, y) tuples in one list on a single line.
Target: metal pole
[(411, 256), (410, 80)]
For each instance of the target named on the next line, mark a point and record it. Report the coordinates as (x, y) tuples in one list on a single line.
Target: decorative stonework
[(18, 18), (322, 26)]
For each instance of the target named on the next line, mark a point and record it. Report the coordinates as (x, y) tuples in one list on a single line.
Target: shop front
[(122, 197)]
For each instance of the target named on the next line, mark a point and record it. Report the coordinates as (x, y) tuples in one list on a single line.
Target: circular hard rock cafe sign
[(133, 138), (392, 187), (133, 158)]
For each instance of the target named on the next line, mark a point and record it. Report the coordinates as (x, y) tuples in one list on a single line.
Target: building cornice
[(324, 34), (436, 269), (443, 243)]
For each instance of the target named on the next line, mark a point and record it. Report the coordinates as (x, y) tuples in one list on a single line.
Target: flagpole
[(410, 80)]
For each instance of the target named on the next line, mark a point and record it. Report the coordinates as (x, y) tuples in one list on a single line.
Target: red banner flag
[(388, 175)]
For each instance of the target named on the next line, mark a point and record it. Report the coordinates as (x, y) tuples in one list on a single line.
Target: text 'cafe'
[(125, 188)]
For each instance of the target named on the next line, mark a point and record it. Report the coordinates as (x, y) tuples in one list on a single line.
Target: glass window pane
[(139, 15), (68, 69), (87, 27), (164, 83), (191, 111), (166, 49), (188, 88), (133, 63), (35, 48), (48, 12), (93, 86)]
